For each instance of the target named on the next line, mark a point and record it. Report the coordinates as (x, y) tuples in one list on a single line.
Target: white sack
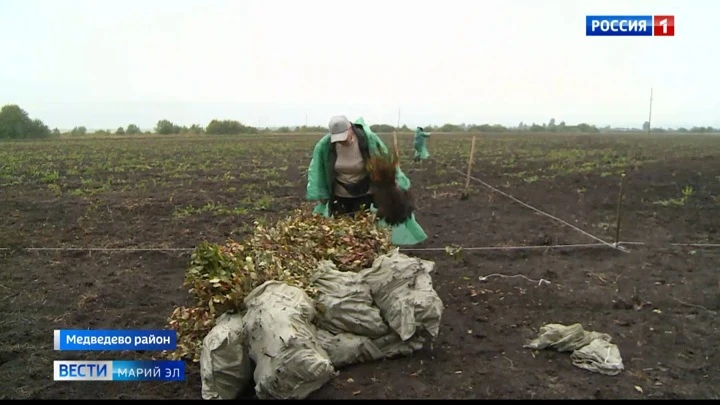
[(564, 338), (591, 351), (225, 368), (599, 356), (289, 362), (401, 287), (345, 304)]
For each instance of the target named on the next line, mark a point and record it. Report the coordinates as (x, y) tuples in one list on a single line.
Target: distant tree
[(133, 129), (56, 132), (165, 127), (381, 128), (229, 127), (702, 130), (646, 125), (120, 131), (15, 123), (310, 129), (587, 128), (196, 129), (450, 128), (487, 128), (551, 125), (536, 128), (81, 130)]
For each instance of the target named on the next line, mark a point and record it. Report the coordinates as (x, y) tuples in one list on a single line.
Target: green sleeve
[(317, 182), (426, 134)]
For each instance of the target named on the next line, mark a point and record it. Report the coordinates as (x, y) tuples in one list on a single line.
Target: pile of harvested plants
[(220, 277)]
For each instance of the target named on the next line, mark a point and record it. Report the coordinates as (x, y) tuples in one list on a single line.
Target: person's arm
[(317, 183)]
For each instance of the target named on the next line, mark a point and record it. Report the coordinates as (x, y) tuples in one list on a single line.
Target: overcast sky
[(108, 63)]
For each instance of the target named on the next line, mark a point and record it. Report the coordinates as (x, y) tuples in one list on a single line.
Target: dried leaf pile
[(220, 277)]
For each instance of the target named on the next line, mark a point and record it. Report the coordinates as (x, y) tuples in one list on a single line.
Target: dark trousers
[(340, 206)]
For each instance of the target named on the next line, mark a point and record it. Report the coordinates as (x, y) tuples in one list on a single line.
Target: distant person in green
[(339, 181), (421, 152)]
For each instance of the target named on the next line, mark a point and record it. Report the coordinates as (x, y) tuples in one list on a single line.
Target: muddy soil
[(668, 342)]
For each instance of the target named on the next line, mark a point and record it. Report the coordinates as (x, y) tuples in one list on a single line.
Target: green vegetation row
[(15, 123)]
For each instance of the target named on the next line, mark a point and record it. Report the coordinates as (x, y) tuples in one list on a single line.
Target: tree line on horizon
[(16, 123)]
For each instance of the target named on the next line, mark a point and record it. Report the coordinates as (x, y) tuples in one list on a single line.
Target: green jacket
[(321, 177), (421, 151), (420, 137)]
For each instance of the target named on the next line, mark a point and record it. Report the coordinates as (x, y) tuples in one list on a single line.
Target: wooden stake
[(465, 194), (397, 149), (619, 211), (395, 141)]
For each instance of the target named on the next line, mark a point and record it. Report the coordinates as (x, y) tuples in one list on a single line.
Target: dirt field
[(659, 303)]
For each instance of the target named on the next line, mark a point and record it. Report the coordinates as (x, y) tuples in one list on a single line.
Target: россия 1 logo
[(630, 25)]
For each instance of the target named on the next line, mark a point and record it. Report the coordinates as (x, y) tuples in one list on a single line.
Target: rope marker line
[(539, 211)]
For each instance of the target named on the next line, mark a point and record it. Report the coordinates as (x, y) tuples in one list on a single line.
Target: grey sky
[(108, 63)]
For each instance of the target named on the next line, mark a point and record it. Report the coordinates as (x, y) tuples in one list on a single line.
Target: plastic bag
[(591, 351), (289, 362), (392, 345), (401, 287), (564, 338), (346, 302), (345, 349), (599, 356), (225, 367)]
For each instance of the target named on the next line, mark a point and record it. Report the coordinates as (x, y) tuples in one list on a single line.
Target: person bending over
[(338, 176)]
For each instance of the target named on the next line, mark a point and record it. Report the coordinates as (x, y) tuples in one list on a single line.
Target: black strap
[(358, 189)]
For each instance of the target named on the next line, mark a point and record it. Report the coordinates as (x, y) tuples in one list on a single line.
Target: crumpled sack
[(591, 351), (391, 345), (289, 362), (345, 302), (346, 349), (225, 367), (564, 338), (401, 287), (352, 325), (599, 356)]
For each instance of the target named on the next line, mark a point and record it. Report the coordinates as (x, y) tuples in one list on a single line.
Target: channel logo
[(630, 26), (119, 370)]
